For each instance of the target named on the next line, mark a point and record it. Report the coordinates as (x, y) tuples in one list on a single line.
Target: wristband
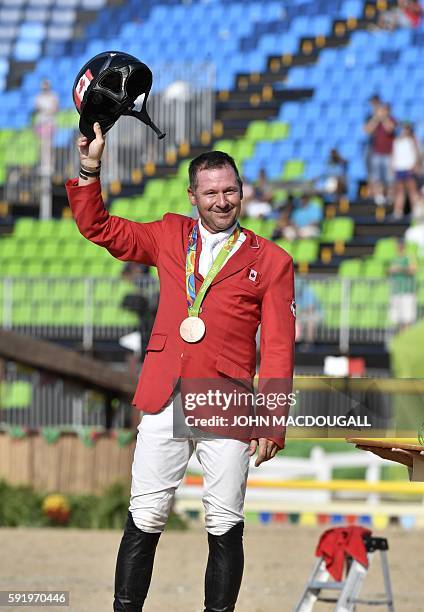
[(90, 169), (85, 173)]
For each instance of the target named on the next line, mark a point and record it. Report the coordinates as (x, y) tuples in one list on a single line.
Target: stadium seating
[(238, 37)]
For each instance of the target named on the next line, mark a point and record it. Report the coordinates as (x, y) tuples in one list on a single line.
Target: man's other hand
[(267, 449)]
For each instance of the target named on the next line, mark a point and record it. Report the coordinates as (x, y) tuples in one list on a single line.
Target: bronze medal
[(192, 329)]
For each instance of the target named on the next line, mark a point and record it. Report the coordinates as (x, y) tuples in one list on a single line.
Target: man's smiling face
[(217, 195)]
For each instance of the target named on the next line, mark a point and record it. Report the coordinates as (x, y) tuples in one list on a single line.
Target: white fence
[(318, 466)]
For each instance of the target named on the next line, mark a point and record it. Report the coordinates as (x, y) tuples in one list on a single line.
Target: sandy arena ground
[(278, 561)]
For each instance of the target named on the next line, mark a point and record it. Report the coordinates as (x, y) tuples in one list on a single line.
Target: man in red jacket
[(218, 283)]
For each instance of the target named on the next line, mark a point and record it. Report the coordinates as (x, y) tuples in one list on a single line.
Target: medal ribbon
[(194, 301)]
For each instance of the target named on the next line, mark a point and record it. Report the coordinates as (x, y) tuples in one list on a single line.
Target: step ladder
[(349, 588)]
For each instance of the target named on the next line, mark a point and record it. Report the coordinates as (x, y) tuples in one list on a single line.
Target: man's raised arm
[(124, 239)]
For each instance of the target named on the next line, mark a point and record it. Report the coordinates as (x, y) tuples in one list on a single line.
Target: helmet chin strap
[(143, 115)]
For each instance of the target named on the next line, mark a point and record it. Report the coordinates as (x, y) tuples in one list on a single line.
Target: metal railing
[(52, 402), (330, 309)]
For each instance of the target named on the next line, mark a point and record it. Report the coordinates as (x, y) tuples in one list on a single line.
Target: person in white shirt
[(406, 159)]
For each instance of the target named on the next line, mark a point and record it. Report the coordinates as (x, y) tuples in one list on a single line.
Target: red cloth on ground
[(337, 543)]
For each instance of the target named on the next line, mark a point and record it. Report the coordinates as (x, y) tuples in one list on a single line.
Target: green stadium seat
[(183, 169), (71, 314), (381, 292), (337, 229), (293, 169), (68, 290), (333, 293), (47, 228), (9, 248), (50, 250), (17, 394), (175, 189), (155, 189), (72, 250), (290, 247), (243, 149), (278, 130), (385, 249), (306, 251), (360, 292), (373, 268), (103, 290), (29, 250), (12, 268), (350, 268), (226, 145), (57, 268), (121, 207), (6, 136), (25, 227), (22, 314), (254, 225), (280, 195), (257, 130), (23, 149), (40, 290), (21, 291), (67, 119), (34, 267), (267, 228)]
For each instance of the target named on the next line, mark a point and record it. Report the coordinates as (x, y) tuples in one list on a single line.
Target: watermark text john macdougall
[(220, 399), (277, 421), (34, 598)]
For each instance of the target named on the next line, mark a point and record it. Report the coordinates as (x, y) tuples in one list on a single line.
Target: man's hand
[(91, 152), (267, 450), (400, 455)]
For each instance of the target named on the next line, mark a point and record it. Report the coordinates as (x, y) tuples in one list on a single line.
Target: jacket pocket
[(232, 369), (156, 342)]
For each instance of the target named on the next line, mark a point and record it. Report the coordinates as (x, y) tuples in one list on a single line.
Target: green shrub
[(22, 506)]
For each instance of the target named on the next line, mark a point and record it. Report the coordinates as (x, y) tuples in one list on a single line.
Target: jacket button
[(182, 354)]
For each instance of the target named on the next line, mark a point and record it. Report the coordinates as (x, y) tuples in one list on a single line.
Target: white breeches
[(160, 462)]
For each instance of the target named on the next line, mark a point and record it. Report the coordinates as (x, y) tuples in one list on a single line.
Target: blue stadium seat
[(27, 51)]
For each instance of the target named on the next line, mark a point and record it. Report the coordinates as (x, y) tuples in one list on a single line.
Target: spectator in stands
[(285, 211), (46, 106), (381, 129), (260, 204), (374, 102), (407, 14), (403, 301), (140, 301), (308, 315), (414, 235), (406, 162), (336, 174), (248, 196), (304, 221)]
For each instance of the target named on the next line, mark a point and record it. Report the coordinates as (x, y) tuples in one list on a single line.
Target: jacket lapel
[(246, 255)]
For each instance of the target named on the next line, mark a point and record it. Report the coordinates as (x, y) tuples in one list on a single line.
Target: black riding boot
[(134, 567), (224, 570)]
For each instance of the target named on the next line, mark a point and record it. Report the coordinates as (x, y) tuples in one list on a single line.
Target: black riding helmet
[(112, 84)]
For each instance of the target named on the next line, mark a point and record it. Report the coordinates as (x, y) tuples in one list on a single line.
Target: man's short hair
[(208, 161)]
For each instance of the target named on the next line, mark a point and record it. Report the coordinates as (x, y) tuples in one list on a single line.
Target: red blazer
[(232, 309)]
